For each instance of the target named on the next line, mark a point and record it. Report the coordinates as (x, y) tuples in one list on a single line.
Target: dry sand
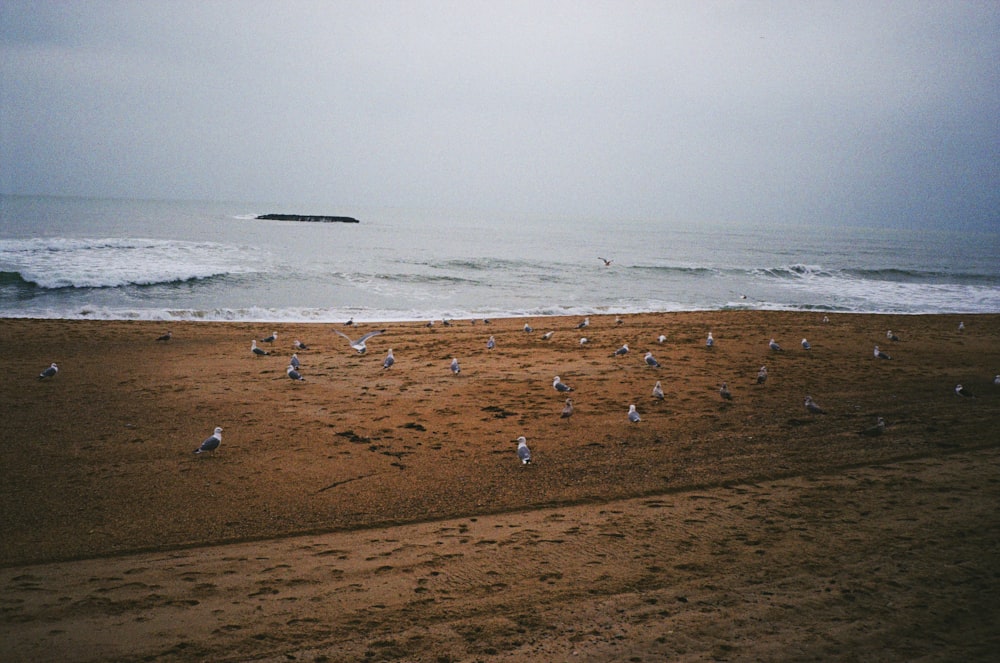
[(371, 514)]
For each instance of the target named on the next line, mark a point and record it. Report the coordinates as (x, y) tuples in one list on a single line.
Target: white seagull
[(880, 355), (528, 328), (963, 392), (294, 374), (620, 351), (709, 342), (359, 344), (547, 335), (270, 339), (523, 452), (805, 345), (961, 326), (996, 379), (892, 337), (568, 410), (299, 345), (812, 407), (658, 390), (389, 360), (212, 443), (774, 346), (651, 361), (257, 351), (455, 368), (49, 372), (762, 375), (584, 340), (661, 338), (585, 323), (294, 361), (559, 386), (633, 416)]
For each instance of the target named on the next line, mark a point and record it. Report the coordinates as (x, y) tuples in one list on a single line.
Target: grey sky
[(878, 113)]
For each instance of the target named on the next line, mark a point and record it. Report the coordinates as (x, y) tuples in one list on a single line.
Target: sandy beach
[(382, 514)]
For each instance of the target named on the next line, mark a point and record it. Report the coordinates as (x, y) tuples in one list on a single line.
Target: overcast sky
[(860, 112)]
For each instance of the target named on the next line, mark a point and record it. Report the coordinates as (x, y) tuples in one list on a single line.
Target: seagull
[(621, 351), (389, 360), (359, 344), (299, 345), (49, 372), (165, 337), (618, 320), (547, 335), (607, 263), (996, 379), (212, 443), (774, 346), (294, 361), (805, 345), (875, 430), (523, 452), (962, 391), (349, 323), (257, 351), (826, 319), (446, 322), (584, 340), (658, 390), (762, 375), (633, 416), (568, 410), (490, 344), (881, 355), (558, 385), (527, 328), (892, 337), (961, 326), (661, 338), (725, 393), (294, 374), (651, 361), (709, 342), (270, 339), (455, 368), (430, 323), (585, 323), (812, 407)]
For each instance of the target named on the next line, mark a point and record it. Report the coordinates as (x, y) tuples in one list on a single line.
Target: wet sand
[(372, 514)]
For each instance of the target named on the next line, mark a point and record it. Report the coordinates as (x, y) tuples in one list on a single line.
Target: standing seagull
[(881, 355), (568, 410), (620, 351), (389, 360), (165, 337), (875, 430), (585, 323), (651, 361), (725, 393), (996, 379), (963, 392), (294, 361), (257, 351), (584, 340), (49, 372), (774, 346), (762, 375), (528, 328), (661, 338), (270, 339), (359, 344), (294, 374), (299, 345), (892, 337), (559, 386), (805, 345), (633, 416), (709, 342), (490, 344), (658, 390), (523, 452), (812, 407), (961, 326), (212, 443), (455, 368)]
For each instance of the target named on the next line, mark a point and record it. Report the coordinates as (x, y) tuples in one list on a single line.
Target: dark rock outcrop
[(308, 217)]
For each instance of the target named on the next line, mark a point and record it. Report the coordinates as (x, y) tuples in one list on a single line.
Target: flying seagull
[(359, 344), (875, 430), (607, 262), (658, 390), (389, 360), (633, 416), (881, 355), (523, 452), (568, 410), (651, 361), (294, 361), (49, 372), (559, 386), (762, 375), (812, 407), (963, 392), (709, 342), (620, 351), (774, 346), (725, 393), (585, 323), (165, 337), (455, 368), (257, 351), (212, 443), (294, 374), (270, 339), (805, 345)]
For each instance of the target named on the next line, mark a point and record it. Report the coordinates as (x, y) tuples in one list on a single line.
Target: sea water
[(164, 260)]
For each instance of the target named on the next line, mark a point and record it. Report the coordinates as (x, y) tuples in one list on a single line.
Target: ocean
[(162, 260)]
